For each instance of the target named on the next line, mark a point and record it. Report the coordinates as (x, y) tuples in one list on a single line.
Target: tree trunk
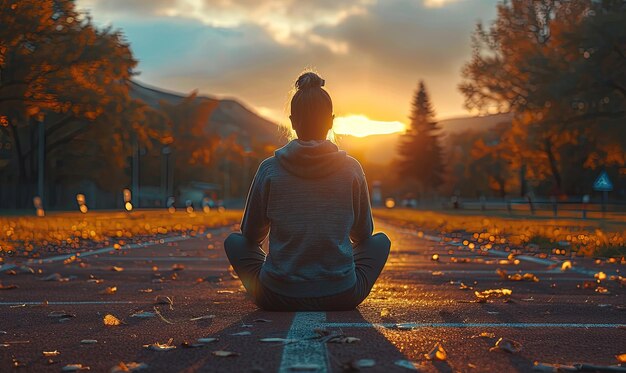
[(553, 165)]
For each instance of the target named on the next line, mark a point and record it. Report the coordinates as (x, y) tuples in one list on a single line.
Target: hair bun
[(309, 80)]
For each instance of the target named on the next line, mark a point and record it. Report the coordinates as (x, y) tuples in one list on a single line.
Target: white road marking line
[(161, 259), (31, 303), (504, 254), (309, 352), (468, 325), (486, 271), (60, 258)]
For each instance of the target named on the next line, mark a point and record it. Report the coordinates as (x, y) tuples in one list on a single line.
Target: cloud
[(438, 3), (289, 22), (371, 53)]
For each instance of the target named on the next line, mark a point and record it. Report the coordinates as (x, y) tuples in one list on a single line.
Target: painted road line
[(31, 303), (469, 325), (484, 271), (504, 254), (161, 259), (306, 353), (82, 254)]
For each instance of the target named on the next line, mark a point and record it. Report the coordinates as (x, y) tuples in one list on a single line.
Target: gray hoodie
[(312, 199)]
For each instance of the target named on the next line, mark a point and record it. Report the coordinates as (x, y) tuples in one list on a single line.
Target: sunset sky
[(371, 53)]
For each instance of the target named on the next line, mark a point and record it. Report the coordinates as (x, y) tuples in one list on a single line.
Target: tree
[(559, 67), (55, 63), (420, 152)]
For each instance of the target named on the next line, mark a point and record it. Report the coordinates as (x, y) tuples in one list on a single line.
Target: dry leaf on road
[(128, 367), (110, 320), (161, 346), (74, 368), (507, 345), (484, 335), (436, 353), (109, 290)]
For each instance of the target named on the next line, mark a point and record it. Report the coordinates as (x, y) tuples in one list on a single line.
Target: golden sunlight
[(360, 126)]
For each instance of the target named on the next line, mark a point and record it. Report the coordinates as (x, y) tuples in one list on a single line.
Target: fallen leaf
[(507, 345), (51, 353), (436, 273), (465, 287), (621, 358), (436, 353), (161, 346), (146, 290), (128, 367), (385, 312), (486, 294), (602, 290), (566, 265), (225, 292), (88, 341), (178, 267), (110, 320), (116, 269), (8, 287), (484, 335), (109, 290), (207, 340), (435, 257), (205, 317), (74, 368), (221, 353)]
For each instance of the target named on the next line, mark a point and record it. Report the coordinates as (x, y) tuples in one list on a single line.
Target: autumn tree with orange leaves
[(560, 68), (56, 66)]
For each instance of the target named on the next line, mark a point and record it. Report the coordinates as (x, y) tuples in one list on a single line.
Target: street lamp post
[(165, 173), (41, 155)]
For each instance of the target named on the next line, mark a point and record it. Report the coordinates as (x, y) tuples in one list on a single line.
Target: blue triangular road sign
[(603, 183)]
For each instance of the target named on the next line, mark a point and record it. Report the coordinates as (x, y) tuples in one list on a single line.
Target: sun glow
[(360, 126)]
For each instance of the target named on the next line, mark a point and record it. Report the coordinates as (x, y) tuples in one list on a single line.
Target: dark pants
[(247, 258)]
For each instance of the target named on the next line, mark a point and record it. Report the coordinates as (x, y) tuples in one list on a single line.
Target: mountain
[(230, 116), (382, 149)]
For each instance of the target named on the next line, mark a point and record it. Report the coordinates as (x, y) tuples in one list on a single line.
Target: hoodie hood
[(310, 159)]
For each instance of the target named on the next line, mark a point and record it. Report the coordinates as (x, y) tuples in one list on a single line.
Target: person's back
[(313, 201)]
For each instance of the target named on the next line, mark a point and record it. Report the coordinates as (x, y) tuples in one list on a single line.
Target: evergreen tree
[(420, 151)]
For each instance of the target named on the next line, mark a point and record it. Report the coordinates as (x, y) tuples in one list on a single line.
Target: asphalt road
[(416, 303)]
